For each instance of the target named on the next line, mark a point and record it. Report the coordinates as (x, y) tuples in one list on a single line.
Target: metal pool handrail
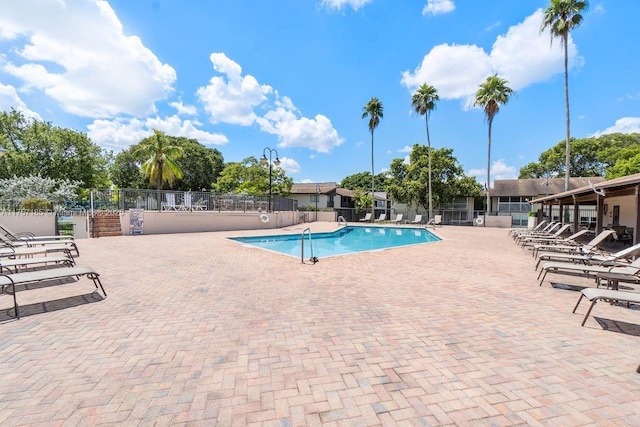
[(313, 259)]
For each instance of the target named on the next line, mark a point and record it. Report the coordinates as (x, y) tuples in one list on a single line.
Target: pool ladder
[(342, 221), (312, 258)]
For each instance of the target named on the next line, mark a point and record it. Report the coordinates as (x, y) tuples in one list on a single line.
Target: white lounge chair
[(366, 218), (417, 219), (381, 218), (595, 294), (591, 258), (588, 247), (398, 219)]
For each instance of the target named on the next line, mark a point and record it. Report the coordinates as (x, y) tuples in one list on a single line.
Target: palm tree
[(423, 102), (561, 17), (373, 110), (490, 95), (160, 165)]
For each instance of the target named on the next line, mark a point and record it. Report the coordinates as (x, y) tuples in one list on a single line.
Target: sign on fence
[(136, 221)]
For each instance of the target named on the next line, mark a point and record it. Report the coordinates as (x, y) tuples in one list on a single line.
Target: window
[(315, 198)]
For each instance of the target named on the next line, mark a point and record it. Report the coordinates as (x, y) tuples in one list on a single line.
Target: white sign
[(136, 221)]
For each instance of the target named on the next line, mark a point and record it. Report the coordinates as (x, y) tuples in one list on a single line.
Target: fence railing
[(163, 200)]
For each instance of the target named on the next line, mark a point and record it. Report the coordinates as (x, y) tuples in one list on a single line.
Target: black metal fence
[(163, 200)]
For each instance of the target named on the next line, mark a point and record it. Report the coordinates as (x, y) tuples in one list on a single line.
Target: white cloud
[(101, 73), (307, 181), (623, 125), (9, 99), (184, 110), (340, 4), (231, 98), (294, 131), (438, 7), (405, 149), (120, 133), (499, 170), (523, 56), (289, 165)]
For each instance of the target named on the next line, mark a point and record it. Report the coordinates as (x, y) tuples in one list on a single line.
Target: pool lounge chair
[(569, 240), (550, 228), (538, 227), (417, 219), (366, 218), (588, 270), (60, 273), (588, 247), (26, 235), (531, 240), (596, 294), (398, 219), (590, 258), (381, 218), (435, 221), (52, 245)]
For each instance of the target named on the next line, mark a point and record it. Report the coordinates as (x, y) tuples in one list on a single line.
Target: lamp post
[(317, 197), (276, 162)]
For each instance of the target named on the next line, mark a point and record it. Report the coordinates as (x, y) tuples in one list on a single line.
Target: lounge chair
[(574, 247), (569, 240), (170, 203), (588, 270), (398, 219), (48, 274), (26, 235), (550, 228), (51, 245), (366, 218), (596, 294), (12, 265), (590, 258), (417, 219), (435, 221), (531, 239), (381, 218), (538, 227)]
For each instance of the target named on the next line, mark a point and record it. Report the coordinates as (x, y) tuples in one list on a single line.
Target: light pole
[(317, 197), (276, 162)]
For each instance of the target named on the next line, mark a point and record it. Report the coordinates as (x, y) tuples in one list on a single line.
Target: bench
[(13, 265), (50, 274), (596, 294)]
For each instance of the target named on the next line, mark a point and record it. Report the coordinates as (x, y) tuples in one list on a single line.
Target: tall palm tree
[(423, 102), (373, 110), (160, 165), (561, 17), (490, 95)]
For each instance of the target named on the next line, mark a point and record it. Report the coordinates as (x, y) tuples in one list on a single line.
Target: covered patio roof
[(596, 194)]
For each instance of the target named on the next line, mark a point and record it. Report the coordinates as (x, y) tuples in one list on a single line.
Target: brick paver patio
[(199, 330)]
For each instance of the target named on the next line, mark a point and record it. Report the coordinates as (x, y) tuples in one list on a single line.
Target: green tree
[(34, 147), (16, 190), (423, 102), (373, 110), (361, 200), (251, 177), (362, 180), (160, 165), (408, 181), (490, 95), (125, 172), (200, 165), (562, 16), (607, 155)]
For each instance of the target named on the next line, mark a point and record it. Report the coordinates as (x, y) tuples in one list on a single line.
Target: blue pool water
[(346, 240)]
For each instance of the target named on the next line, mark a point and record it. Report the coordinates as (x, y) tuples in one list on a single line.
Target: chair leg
[(589, 311), (579, 299)]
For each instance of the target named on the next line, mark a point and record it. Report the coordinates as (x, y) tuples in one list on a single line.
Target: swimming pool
[(346, 240)]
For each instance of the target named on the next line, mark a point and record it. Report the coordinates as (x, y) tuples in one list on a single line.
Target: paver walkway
[(199, 330)]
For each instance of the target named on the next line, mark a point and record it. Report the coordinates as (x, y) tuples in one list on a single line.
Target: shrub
[(35, 204)]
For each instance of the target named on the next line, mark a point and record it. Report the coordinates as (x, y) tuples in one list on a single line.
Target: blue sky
[(294, 75)]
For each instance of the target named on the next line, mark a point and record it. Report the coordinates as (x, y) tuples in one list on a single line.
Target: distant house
[(512, 196), (327, 195)]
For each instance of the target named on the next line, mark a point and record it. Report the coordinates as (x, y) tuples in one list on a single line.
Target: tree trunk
[(567, 173), (373, 179), (429, 148), (489, 166)]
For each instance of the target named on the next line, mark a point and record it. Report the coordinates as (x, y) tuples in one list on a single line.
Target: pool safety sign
[(136, 221)]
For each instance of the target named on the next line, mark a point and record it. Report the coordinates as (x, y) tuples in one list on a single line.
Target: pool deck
[(200, 330)]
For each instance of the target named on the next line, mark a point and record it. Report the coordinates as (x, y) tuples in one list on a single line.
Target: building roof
[(535, 187), (622, 186), (313, 187)]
